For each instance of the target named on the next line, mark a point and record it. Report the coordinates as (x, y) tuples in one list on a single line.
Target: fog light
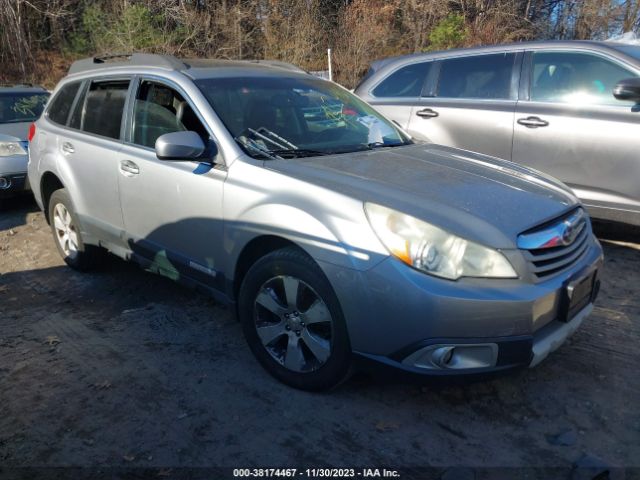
[(4, 183), (442, 356), (460, 356)]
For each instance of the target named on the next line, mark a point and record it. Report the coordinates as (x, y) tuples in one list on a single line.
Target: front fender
[(331, 227), (319, 239)]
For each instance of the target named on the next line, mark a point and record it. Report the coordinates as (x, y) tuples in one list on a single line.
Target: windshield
[(297, 116), (631, 50), (21, 107)]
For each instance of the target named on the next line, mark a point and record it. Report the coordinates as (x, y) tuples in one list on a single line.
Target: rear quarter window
[(61, 103), (405, 82)]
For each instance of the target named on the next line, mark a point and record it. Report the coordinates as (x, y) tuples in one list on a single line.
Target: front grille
[(546, 260)]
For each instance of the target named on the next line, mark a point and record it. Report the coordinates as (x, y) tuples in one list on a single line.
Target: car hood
[(481, 198), (18, 131)]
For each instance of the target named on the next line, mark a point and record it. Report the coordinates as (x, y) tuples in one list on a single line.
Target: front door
[(172, 209), (573, 128)]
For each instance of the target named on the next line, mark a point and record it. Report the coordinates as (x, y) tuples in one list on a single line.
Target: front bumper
[(408, 320)]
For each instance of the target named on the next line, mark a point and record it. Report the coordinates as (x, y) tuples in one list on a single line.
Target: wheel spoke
[(73, 241), (67, 217), (320, 348), (59, 212), (294, 359), (266, 298), (64, 241), (291, 291), (269, 333), (317, 313), (57, 223)]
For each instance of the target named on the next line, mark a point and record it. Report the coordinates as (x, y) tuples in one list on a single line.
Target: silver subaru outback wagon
[(339, 240)]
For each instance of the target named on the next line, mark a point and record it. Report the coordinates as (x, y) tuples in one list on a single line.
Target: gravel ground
[(121, 368)]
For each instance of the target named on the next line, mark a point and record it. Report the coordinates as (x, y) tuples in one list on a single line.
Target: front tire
[(67, 236), (293, 322)]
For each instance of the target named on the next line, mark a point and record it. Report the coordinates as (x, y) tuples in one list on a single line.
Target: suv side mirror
[(179, 146), (628, 89)]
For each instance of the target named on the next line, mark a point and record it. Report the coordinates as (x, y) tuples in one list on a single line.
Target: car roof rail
[(215, 62), (126, 60), (279, 64)]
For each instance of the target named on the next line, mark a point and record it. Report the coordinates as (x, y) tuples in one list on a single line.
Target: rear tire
[(67, 235), (293, 322)]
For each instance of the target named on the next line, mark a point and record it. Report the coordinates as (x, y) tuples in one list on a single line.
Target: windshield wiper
[(255, 147), (297, 153), (269, 137), (373, 145), (258, 141)]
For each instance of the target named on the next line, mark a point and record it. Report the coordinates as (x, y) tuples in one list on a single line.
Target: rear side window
[(60, 106), (578, 78), (481, 76), (100, 111), (405, 82)]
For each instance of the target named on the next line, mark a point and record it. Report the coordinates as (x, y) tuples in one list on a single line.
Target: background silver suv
[(548, 105), (330, 230), (20, 105)]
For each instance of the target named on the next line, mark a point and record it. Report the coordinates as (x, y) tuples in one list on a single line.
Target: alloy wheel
[(65, 230), (293, 323)]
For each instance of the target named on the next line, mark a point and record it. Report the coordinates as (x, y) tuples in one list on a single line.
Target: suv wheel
[(66, 233), (293, 322)]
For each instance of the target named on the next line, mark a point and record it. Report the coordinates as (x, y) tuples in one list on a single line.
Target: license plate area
[(578, 292)]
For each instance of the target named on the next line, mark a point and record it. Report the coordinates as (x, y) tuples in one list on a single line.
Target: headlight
[(7, 149), (434, 251)]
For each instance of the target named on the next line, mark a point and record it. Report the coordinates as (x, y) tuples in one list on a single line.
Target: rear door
[(472, 104), (90, 146), (400, 91), (569, 125)]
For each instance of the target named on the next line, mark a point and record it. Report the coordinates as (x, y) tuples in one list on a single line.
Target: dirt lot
[(121, 368)]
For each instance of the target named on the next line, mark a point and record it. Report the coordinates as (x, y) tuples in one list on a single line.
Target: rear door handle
[(533, 122), (67, 147), (129, 168), (427, 113)]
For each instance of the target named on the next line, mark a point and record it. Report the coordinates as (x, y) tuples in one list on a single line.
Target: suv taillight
[(32, 131)]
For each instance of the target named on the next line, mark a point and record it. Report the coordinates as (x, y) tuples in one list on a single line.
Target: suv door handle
[(129, 168), (533, 122), (427, 113), (67, 147)]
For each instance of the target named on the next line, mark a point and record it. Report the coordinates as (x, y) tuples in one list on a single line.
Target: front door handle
[(533, 122), (67, 147), (427, 113), (129, 168)]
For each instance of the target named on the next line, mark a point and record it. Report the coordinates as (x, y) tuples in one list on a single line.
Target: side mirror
[(628, 89), (180, 146)]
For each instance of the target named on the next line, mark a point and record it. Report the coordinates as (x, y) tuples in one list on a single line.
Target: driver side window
[(160, 109), (578, 78)]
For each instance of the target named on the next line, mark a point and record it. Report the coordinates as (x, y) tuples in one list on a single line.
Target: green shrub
[(450, 32)]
